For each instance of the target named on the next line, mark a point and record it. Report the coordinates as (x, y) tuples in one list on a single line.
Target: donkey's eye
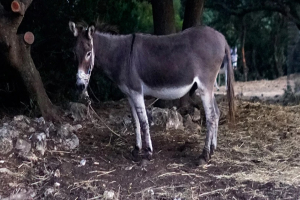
[(89, 54)]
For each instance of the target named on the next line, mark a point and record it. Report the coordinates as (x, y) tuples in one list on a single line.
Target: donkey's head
[(84, 53)]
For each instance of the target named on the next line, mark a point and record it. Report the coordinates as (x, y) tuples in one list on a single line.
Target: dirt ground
[(263, 89), (259, 158)]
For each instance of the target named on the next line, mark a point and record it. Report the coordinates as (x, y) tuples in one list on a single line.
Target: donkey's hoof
[(212, 150), (201, 161), (148, 154), (135, 153), (204, 157)]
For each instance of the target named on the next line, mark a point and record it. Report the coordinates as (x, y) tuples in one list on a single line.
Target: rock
[(190, 125), (168, 118), (21, 118), (64, 130), (69, 139), (196, 115), (57, 173), (40, 120), (71, 143), (6, 145), (22, 195), (49, 191), (174, 121), (77, 127), (127, 120), (50, 128), (8, 131), (107, 195), (78, 111), (22, 125), (40, 143), (31, 130), (23, 147)]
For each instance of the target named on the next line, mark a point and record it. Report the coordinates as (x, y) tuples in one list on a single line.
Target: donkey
[(165, 67), (223, 70)]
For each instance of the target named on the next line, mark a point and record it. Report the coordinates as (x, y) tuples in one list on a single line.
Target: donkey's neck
[(112, 53)]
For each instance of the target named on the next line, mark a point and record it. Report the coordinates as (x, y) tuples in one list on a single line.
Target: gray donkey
[(165, 67)]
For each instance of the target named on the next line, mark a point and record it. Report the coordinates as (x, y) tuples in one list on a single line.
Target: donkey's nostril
[(80, 86)]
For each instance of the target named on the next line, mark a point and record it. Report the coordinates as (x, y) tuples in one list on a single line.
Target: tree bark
[(16, 49), (192, 17), (243, 37), (163, 17), (278, 56), (164, 24), (193, 13)]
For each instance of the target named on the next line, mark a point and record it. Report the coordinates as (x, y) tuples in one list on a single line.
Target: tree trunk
[(278, 55), (192, 17), (243, 37), (163, 17), (164, 24), (16, 49), (293, 36), (253, 64), (193, 13)]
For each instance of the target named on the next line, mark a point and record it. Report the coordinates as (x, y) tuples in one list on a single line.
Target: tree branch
[(273, 6)]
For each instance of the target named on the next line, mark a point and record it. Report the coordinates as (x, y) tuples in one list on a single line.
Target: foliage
[(52, 50), (178, 17), (262, 28)]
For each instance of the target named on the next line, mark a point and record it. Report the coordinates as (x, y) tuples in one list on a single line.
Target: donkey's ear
[(91, 32), (73, 28)]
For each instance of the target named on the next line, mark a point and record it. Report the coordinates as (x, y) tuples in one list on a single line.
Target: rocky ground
[(88, 156)]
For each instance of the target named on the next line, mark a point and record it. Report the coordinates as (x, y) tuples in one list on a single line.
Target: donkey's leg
[(211, 119), (216, 84), (137, 129), (138, 101), (226, 77), (215, 137)]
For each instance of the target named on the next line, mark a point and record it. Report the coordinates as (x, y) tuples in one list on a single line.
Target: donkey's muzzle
[(80, 86)]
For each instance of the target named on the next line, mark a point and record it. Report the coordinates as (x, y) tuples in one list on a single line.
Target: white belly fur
[(169, 93)]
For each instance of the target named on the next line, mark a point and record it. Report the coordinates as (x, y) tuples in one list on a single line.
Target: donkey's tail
[(230, 89)]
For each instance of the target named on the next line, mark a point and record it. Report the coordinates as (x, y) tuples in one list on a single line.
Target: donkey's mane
[(106, 28), (82, 25), (99, 26)]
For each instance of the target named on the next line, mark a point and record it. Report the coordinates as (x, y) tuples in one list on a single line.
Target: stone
[(69, 140), (190, 125), (108, 195), (23, 147), (40, 142), (196, 115), (22, 125), (70, 143), (78, 111), (168, 118), (40, 120), (6, 145), (8, 131), (31, 130)]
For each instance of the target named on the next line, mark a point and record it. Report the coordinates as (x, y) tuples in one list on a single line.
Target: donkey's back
[(178, 59)]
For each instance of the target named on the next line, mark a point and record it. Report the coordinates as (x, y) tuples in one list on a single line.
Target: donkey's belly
[(167, 93)]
